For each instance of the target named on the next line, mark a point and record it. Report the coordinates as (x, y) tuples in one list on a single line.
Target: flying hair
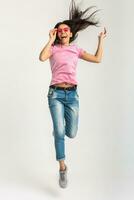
[(78, 20)]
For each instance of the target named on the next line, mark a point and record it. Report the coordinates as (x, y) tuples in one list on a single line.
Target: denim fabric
[(64, 109)]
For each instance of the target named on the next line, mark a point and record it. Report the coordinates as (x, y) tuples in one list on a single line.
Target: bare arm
[(46, 51), (99, 52)]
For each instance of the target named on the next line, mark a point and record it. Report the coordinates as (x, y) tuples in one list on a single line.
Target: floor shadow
[(47, 185)]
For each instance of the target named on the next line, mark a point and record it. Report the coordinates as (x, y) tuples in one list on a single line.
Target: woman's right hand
[(102, 35), (52, 34)]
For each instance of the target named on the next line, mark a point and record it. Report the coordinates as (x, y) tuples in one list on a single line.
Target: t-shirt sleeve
[(80, 52)]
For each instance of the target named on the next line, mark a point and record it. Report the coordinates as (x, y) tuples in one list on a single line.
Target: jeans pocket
[(77, 93), (50, 92)]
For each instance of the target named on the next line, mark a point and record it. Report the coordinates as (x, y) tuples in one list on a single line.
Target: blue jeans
[(64, 109)]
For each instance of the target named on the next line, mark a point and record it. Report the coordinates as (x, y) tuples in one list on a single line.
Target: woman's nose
[(62, 30)]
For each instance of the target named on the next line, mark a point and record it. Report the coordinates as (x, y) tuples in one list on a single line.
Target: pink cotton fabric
[(63, 62)]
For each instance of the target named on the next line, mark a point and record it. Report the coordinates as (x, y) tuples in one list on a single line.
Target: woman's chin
[(64, 42)]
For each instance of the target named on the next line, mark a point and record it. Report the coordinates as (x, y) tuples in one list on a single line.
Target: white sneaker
[(63, 178)]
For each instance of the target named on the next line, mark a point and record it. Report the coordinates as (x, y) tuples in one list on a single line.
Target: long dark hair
[(78, 20)]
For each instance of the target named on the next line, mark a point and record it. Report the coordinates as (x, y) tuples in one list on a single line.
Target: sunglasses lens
[(64, 29)]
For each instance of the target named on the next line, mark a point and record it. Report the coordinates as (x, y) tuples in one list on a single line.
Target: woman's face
[(64, 34)]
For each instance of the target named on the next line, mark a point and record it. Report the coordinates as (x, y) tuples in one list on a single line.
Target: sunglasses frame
[(66, 29)]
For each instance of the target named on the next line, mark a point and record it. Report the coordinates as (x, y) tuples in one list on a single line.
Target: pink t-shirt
[(63, 62)]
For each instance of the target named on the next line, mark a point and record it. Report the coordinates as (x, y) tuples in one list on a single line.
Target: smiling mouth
[(63, 37)]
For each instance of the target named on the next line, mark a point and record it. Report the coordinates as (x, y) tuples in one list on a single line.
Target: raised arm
[(98, 55), (46, 51)]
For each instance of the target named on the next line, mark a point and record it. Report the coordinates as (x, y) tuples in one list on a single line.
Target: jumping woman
[(63, 97)]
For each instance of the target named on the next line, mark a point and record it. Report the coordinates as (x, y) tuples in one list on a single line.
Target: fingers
[(53, 31), (103, 34), (105, 30)]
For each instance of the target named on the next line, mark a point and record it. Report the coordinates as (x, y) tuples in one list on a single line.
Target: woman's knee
[(59, 135), (71, 135)]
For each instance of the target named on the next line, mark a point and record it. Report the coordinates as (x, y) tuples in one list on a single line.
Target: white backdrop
[(101, 157)]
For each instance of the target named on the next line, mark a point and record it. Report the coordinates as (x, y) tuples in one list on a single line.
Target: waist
[(74, 87)]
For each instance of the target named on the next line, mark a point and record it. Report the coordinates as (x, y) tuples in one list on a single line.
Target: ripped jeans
[(64, 109)]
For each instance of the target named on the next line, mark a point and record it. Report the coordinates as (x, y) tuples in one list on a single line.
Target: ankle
[(63, 167)]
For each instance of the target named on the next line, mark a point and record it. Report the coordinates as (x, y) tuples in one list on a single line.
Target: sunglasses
[(59, 30)]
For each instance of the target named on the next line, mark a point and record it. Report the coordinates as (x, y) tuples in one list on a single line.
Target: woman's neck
[(66, 44)]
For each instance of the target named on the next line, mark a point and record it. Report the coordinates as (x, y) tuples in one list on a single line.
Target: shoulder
[(78, 49), (54, 48)]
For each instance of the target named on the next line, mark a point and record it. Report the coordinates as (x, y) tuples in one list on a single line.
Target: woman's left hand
[(103, 34)]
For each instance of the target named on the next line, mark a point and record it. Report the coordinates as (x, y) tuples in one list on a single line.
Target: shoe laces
[(62, 175)]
